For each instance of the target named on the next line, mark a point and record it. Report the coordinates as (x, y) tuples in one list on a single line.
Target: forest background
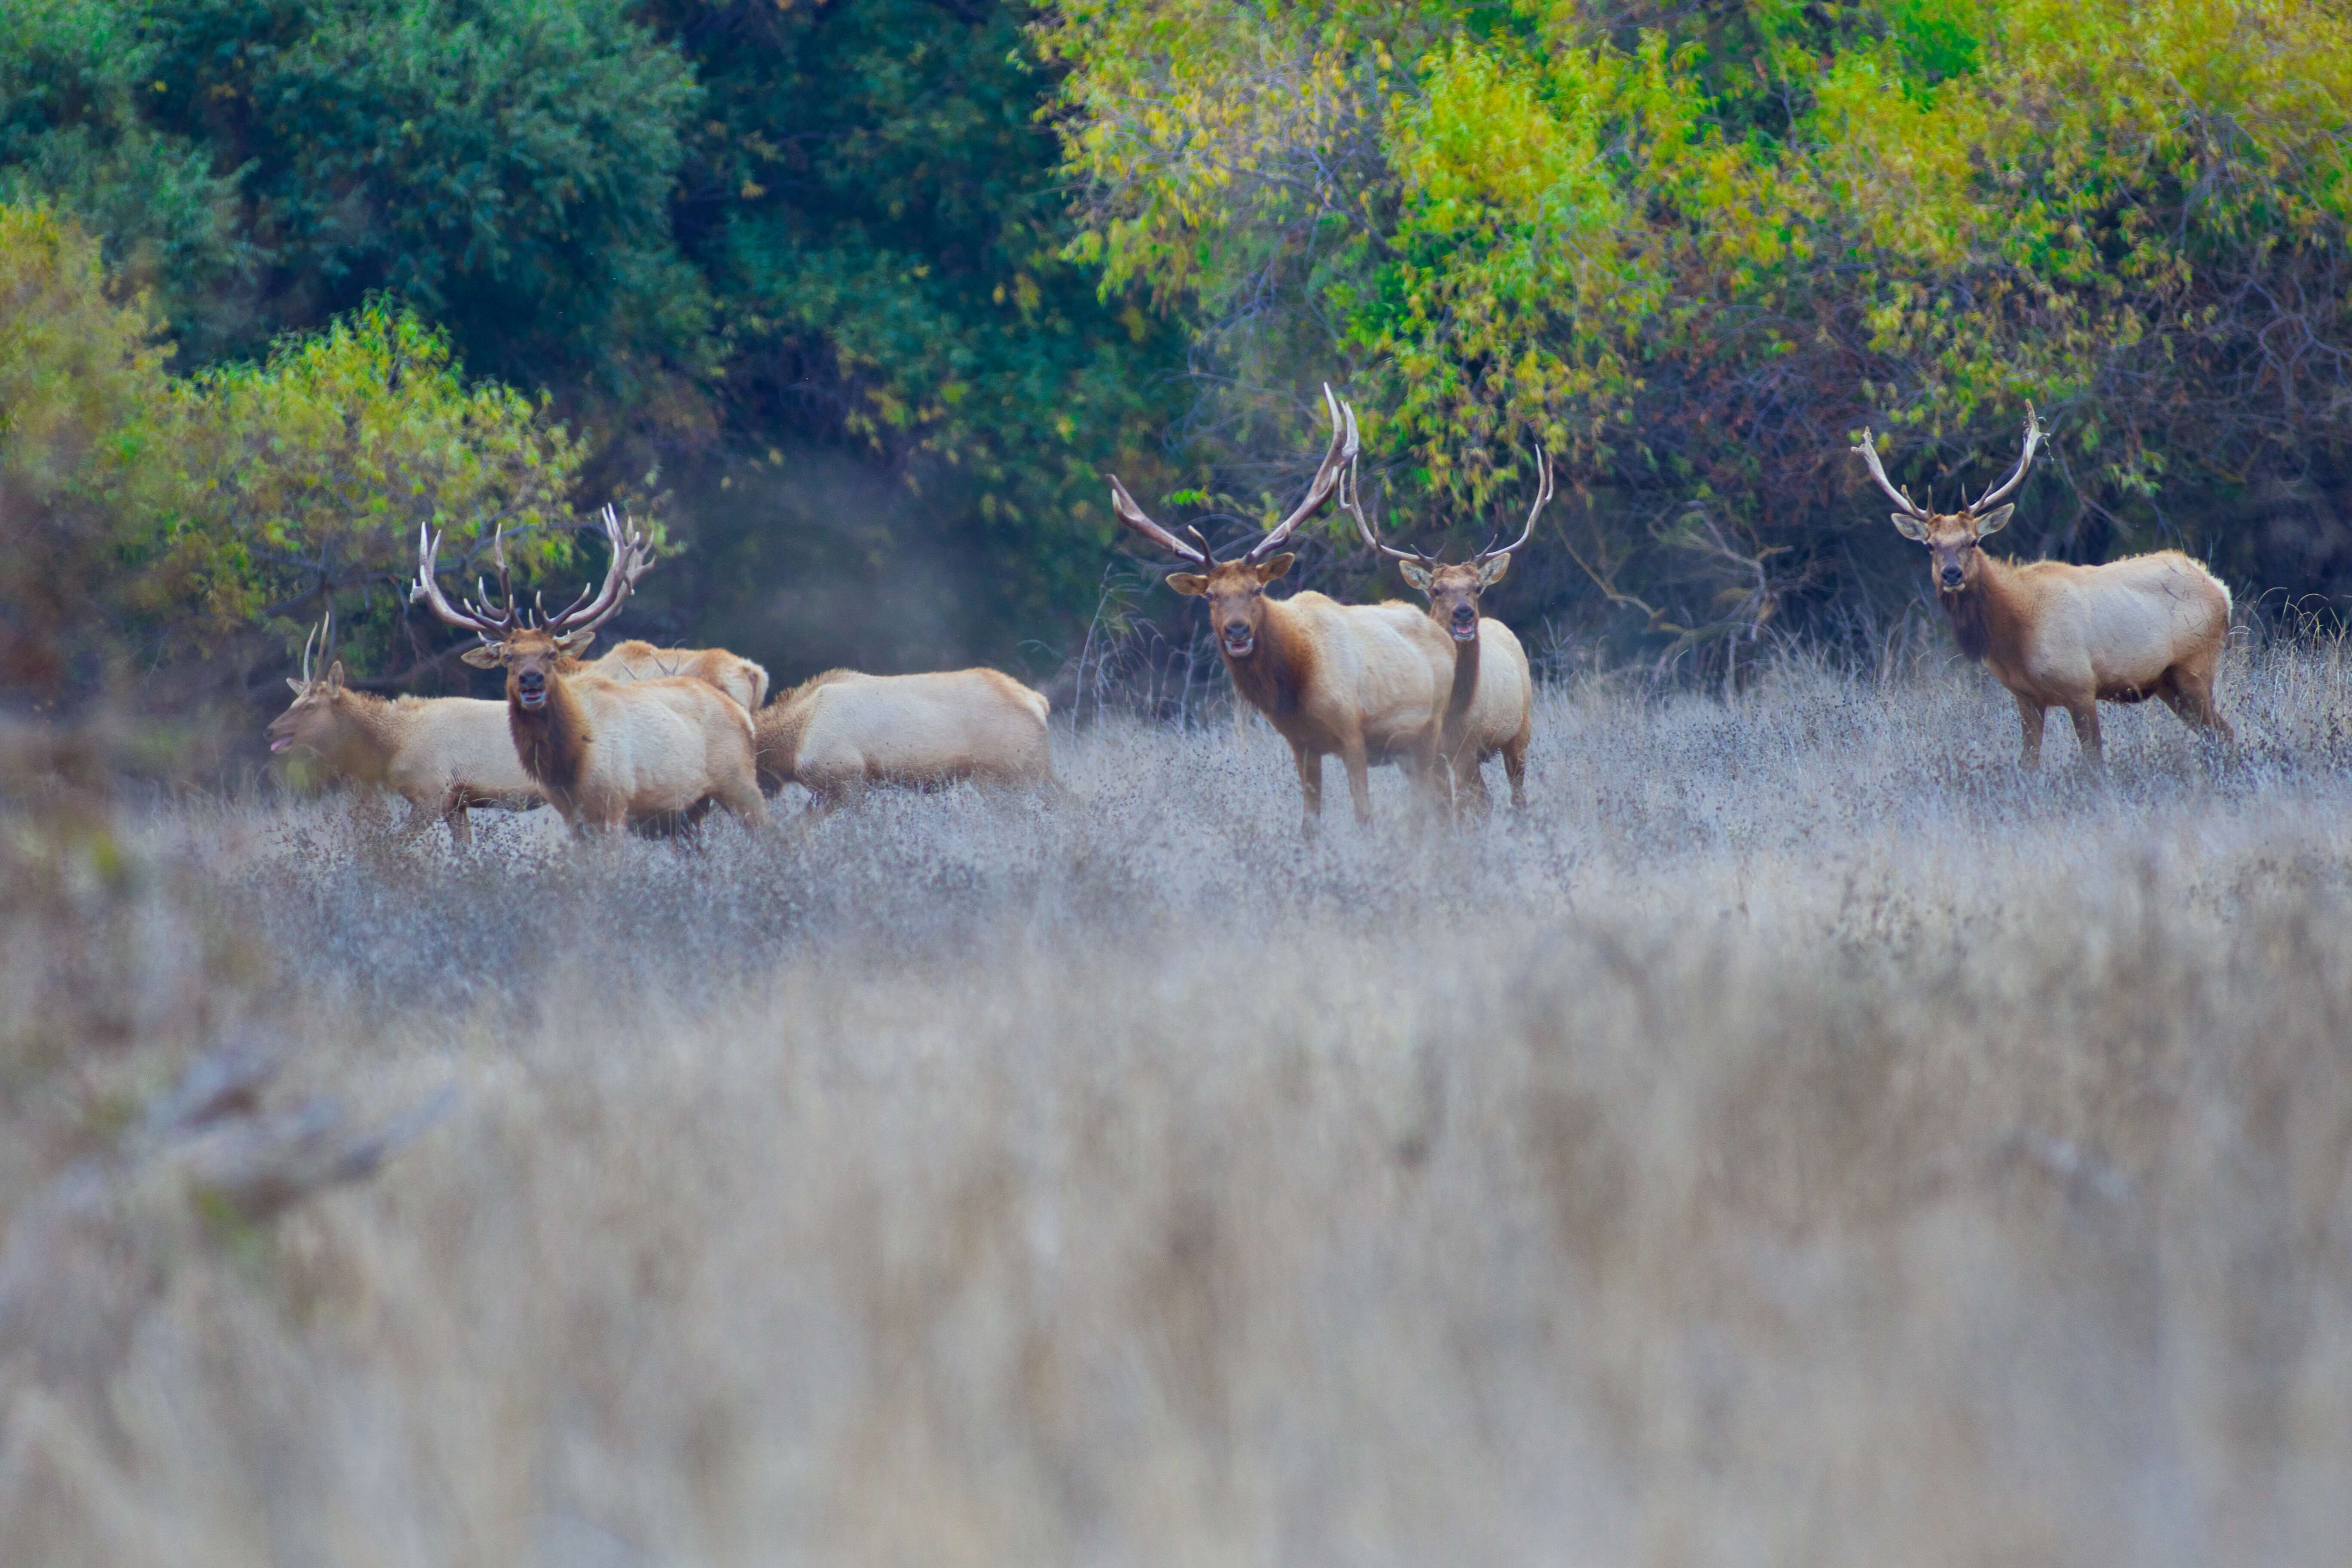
[(856, 302)]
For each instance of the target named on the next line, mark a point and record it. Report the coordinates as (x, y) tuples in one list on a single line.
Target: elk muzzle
[(1464, 624), (1238, 639), (530, 689)]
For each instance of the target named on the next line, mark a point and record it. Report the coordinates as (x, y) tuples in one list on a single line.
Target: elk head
[(1952, 538), (1237, 589), (532, 645), (1453, 591), (308, 721)]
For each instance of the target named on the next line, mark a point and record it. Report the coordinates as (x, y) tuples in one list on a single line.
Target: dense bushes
[(1695, 252)]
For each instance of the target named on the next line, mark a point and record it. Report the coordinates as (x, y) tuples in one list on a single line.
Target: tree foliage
[(155, 522), (1695, 253)]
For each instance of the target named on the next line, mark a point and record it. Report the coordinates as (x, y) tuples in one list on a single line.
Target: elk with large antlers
[(443, 754), (1366, 681), (606, 752), (2060, 636), (1490, 706)]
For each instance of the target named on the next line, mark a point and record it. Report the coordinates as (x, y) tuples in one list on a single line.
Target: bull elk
[(1490, 706), (604, 752), (2062, 635), (1366, 681), (737, 676), (443, 754), (842, 731)]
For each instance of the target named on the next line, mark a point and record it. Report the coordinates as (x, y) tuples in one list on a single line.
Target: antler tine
[(1123, 507), (1351, 500), (620, 577), (1869, 450), (306, 655), (1336, 458), (427, 588), (2002, 492), (1543, 494)]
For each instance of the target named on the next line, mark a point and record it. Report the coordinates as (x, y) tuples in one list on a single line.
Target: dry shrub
[(1800, 1139)]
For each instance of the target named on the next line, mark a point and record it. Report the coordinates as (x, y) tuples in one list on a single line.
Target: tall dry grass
[(1800, 1139)]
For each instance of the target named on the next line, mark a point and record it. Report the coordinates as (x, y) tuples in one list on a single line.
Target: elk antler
[(1123, 505), (1351, 497), (1543, 494), (2001, 492), (306, 647), (629, 563), (1336, 458), (1869, 450), (473, 616)]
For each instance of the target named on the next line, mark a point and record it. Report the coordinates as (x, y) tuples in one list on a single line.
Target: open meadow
[(1799, 1139)]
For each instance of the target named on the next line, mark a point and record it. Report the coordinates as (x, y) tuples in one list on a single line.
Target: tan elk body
[(737, 676), (442, 754), (1490, 702), (1364, 682), (843, 731), (606, 752), (2062, 635)]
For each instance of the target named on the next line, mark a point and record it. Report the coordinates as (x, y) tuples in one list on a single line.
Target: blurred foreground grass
[(1800, 1139)]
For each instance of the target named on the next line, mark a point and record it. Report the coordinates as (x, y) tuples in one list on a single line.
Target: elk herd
[(651, 739)]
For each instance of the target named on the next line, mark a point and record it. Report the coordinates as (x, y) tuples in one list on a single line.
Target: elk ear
[(295, 685), (1490, 571), (1268, 571), (1909, 527), (1189, 583), (1995, 520), (484, 657), (1416, 575), (572, 645), (335, 677)]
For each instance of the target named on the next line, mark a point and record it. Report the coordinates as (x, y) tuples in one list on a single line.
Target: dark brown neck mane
[(1268, 676), (1978, 613), (1465, 688), (552, 742)]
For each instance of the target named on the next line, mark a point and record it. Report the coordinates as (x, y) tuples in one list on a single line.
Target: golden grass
[(1800, 1139)]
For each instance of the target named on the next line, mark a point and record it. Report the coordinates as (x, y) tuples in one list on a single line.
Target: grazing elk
[(2060, 636), (1366, 681), (737, 676), (843, 731), (1490, 707), (604, 752), (443, 754)]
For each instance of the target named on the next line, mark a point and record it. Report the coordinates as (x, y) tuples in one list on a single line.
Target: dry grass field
[(1799, 1139)]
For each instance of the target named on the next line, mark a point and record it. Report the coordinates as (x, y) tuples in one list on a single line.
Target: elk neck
[(366, 735), (552, 741), (776, 730), (1984, 615), (1464, 689), (1271, 675)]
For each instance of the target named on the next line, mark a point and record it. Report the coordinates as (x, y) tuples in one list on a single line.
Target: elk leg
[(2034, 718), (2190, 694), (1359, 779), (2087, 731), (1310, 783), (743, 797), (461, 821), (1470, 787), (1515, 767)]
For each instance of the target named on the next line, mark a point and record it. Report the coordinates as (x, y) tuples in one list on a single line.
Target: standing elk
[(1366, 681), (842, 731), (2060, 636), (606, 752), (443, 754), (737, 676), (1490, 707)]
